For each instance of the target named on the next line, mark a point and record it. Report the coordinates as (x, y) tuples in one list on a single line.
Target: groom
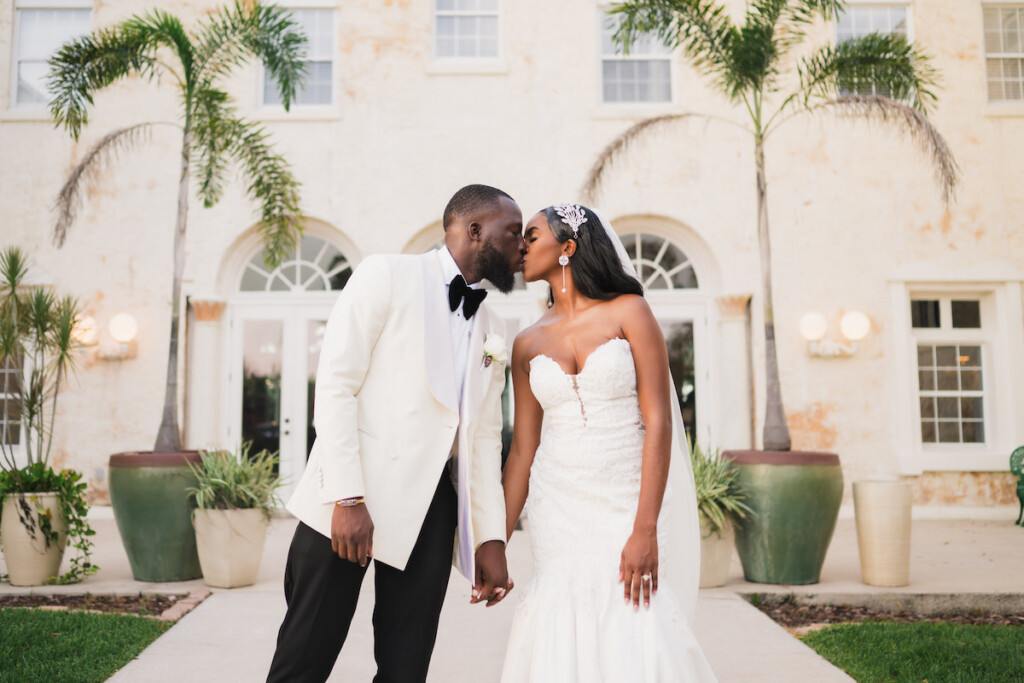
[(407, 461)]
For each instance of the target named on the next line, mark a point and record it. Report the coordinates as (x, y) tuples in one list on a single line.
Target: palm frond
[(90, 63), (165, 29), (85, 174), (230, 36), (701, 27), (907, 120), (270, 182), (879, 62), (212, 115), (625, 141), (797, 16)]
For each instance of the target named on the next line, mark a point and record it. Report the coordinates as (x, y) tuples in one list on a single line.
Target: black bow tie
[(459, 291)]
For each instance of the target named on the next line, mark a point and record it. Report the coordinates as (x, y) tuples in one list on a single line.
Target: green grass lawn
[(38, 645), (934, 652)]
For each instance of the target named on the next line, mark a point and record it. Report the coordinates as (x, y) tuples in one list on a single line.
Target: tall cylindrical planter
[(148, 492), (794, 497), (31, 557), (715, 554), (882, 510), (230, 545)]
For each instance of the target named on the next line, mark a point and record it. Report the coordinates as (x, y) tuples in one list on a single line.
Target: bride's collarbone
[(572, 360)]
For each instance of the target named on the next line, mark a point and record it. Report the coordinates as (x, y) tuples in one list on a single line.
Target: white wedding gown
[(572, 624)]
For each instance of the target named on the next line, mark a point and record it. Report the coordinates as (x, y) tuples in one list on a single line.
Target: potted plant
[(719, 505), (147, 489), (234, 498), (794, 495), (42, 509)]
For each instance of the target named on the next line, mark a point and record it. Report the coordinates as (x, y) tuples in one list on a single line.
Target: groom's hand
[(492, 582), (352, 533)]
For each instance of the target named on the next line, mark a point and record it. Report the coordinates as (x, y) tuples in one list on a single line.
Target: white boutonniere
[(495, 350)]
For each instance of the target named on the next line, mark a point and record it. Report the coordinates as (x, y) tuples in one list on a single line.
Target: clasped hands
[(352, 540)]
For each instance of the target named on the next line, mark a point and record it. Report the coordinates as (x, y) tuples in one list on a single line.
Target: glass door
[(276, 352)]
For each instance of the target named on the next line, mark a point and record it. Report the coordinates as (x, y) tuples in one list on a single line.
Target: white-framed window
[(860, 19), (642, 76), (1004, 52), (952, 362), (317, 89), (10, 406), (957, 373), (467, 29), (40, 28)]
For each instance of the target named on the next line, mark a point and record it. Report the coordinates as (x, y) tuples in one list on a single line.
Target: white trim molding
[(1003, 333)]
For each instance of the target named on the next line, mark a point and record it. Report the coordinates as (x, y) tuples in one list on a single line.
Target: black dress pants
[(322, 590)]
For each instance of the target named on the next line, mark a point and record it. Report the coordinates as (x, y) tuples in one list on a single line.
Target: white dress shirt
[(461, 328)]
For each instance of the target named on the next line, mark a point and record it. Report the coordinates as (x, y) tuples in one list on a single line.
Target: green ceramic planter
[(153, 513), (795, 498)]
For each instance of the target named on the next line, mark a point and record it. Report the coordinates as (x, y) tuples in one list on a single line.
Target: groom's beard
[(492, 265)]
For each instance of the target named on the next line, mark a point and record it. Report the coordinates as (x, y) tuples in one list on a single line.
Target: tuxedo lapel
[(477, 375), (437, 334)]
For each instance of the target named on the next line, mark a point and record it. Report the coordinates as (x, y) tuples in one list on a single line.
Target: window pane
[(927, 406), (924, 313), (926, 380), (971, 407), (966, 314), (949, 432), (948, 407), (928, 432), (947, 380), (925, 356), (946, 357), (974, 432), (970, 380), (970, 356)]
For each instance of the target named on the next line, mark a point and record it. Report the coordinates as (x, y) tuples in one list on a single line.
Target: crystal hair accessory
[(572, 215)]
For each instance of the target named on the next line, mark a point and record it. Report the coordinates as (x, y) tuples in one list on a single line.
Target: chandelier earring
[(563, 261)]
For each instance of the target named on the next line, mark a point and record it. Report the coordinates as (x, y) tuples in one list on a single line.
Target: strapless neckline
[(586, 363)]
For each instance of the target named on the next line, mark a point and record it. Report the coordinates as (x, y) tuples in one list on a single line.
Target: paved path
[(230, 636)]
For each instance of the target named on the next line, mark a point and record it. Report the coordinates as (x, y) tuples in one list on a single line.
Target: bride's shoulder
[(630, 304)]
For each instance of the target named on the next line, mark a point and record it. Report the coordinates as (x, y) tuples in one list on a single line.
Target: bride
[(596, 429)]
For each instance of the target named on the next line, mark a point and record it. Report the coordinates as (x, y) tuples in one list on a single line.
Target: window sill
[(298, 114), (26, 115), (1000, 110), (985, 459), (469, 67)]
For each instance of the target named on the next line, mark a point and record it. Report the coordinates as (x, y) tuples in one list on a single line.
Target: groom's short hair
[(470, 199)]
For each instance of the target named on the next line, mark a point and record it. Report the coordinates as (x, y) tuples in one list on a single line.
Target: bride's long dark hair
[(595, 266)]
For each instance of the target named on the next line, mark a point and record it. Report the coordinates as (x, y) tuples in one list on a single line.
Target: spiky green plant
[(156, 46), (233, 481), (751, 66), (37, 355), (719, 495)]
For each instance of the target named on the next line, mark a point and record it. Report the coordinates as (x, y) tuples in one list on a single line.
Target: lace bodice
[(586, 473)]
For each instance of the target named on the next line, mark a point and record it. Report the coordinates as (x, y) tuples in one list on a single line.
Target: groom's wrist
[(350, 502)]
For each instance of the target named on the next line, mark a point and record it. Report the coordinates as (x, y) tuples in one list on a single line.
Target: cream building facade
[(408, 100)]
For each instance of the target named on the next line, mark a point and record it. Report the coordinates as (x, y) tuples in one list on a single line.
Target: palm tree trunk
[(168, 438), (776, 433)]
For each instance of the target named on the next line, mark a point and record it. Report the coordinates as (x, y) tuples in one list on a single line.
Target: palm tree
[(749, 66), (156, 46)]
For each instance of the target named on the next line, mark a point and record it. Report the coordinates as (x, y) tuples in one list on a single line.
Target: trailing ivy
[(70, 490)]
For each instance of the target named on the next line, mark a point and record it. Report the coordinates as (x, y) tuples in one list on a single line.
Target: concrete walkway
[(230, 636)]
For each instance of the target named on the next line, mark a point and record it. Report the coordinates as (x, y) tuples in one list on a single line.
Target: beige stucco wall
[(850, 205)]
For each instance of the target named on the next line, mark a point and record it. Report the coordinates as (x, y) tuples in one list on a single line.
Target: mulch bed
[(795, 616), (142, 605)]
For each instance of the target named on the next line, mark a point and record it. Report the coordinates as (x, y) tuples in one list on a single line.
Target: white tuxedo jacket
[(386, 412)]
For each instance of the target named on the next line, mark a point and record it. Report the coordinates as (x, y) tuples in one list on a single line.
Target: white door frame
[(293, 310)]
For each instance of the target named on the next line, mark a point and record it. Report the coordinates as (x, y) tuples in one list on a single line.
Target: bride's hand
[(638, 570)]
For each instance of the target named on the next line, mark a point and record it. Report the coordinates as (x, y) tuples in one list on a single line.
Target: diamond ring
[(645, 577)]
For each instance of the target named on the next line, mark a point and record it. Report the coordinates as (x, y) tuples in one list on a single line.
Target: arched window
[(315, 266), (659, 263)]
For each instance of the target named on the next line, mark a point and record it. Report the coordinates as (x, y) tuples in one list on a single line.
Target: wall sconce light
[(854, 326), (122, 328), (85, 331)]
